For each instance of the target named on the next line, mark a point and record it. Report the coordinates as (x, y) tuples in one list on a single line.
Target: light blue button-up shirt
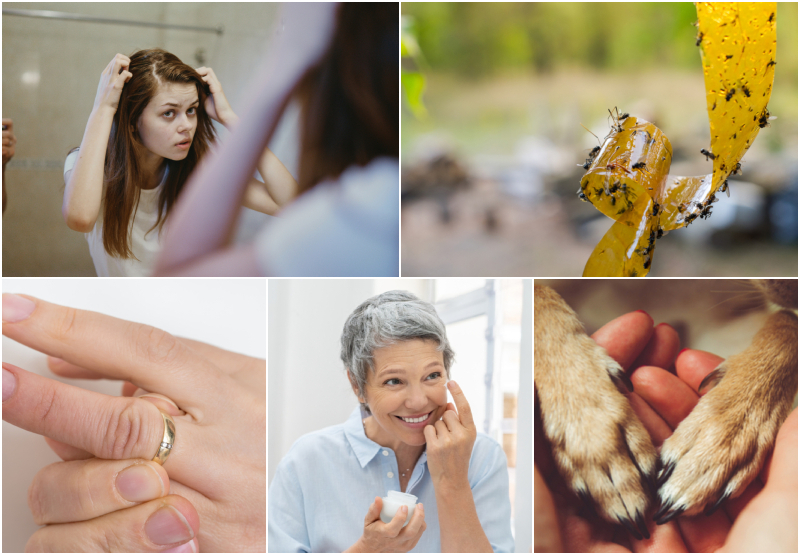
[(325, 484)]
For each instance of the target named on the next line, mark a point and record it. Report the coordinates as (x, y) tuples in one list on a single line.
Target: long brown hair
[(350, 99), (123, 174)]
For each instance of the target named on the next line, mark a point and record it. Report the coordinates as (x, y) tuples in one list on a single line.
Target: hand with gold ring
[(216, 469)]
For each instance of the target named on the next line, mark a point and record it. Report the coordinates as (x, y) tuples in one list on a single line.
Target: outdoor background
[(489, 176)]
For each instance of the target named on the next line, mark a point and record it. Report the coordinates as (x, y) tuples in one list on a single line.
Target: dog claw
[(716, 505), (642, 526), (631, 528), (674, 513), (665, 473)]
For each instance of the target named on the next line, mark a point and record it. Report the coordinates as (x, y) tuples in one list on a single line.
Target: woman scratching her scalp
[(149, 129)]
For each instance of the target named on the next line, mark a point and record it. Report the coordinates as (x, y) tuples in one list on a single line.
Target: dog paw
[(718, 449), (601, 448)]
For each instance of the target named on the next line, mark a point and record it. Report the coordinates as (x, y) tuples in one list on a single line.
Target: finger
[(692, 366), (661, 350), (417, 521), (430, 433), (108, 427), (394, 527), (625, 337), (8, 124), (441, 429), (153, 526), (66, 451), (151, 358), (670, 396), (451, 420), (374, 512), (66, 370), (784, 456), (163, 402), (464, 410), (227, 361), (119, 62), (69, 453), (75, 491), (655, 425)]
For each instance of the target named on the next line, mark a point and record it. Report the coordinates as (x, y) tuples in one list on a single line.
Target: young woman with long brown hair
[(149, 129), (341, 63)]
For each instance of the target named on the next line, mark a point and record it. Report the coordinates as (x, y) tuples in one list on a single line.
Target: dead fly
[(730, 94), (707, 154), (614, 165), (738, 169), (724, 188), (746, 91), (763, 120), (592, 154), (656, 208), (638, 165), (699, 39), (616, 127)]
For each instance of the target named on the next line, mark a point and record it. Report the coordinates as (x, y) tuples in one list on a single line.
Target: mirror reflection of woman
[(404, 436), (149, 129)]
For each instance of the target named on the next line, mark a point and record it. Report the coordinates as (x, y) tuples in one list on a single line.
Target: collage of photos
[(388, 277)]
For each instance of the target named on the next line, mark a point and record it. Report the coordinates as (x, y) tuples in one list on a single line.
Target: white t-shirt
[(145, 246), (346, 227)]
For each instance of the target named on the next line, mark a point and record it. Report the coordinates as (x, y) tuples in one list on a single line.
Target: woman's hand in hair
[(217, 106), (112, 80)]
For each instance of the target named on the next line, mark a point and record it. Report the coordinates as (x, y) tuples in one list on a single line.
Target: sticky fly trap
[(627, 177)]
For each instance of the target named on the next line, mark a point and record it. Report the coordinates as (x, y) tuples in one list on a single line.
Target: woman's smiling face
[(408, 382)]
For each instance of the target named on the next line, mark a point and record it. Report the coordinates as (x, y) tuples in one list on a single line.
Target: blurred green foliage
[(476, 39), (411, 78)]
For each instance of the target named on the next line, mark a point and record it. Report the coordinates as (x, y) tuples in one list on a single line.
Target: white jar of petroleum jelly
[(392, 503)]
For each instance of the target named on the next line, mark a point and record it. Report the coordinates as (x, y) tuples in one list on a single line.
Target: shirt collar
[(364, 448)]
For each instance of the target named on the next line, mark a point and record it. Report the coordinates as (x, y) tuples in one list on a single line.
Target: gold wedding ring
[(167, 441)]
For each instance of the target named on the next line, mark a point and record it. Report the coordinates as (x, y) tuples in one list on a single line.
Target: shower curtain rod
[(46, 14)]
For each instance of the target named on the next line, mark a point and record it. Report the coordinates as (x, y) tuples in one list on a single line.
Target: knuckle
[(66, 325), (127, 431), (45, 405), (157, 346)]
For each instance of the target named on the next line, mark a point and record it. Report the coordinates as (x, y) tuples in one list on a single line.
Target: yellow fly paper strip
[(627, 179)]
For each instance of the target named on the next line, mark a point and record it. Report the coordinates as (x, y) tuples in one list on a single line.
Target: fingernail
[(16, 308), (9, 384), (185, 548), (167, 525), (140, 483)]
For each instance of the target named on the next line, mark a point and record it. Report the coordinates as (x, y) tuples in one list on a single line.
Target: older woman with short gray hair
[(405, 436)]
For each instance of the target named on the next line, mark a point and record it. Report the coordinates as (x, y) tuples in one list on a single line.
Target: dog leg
[(720, 447), (601, 448)]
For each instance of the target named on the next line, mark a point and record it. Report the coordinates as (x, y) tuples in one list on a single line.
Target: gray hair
[(386, 319)]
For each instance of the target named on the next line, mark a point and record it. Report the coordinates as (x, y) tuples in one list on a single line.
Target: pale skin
[(215, 477), (169, 118), (409, 379)]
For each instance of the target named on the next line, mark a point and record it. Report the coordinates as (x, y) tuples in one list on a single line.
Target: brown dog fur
[(605, 454)]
